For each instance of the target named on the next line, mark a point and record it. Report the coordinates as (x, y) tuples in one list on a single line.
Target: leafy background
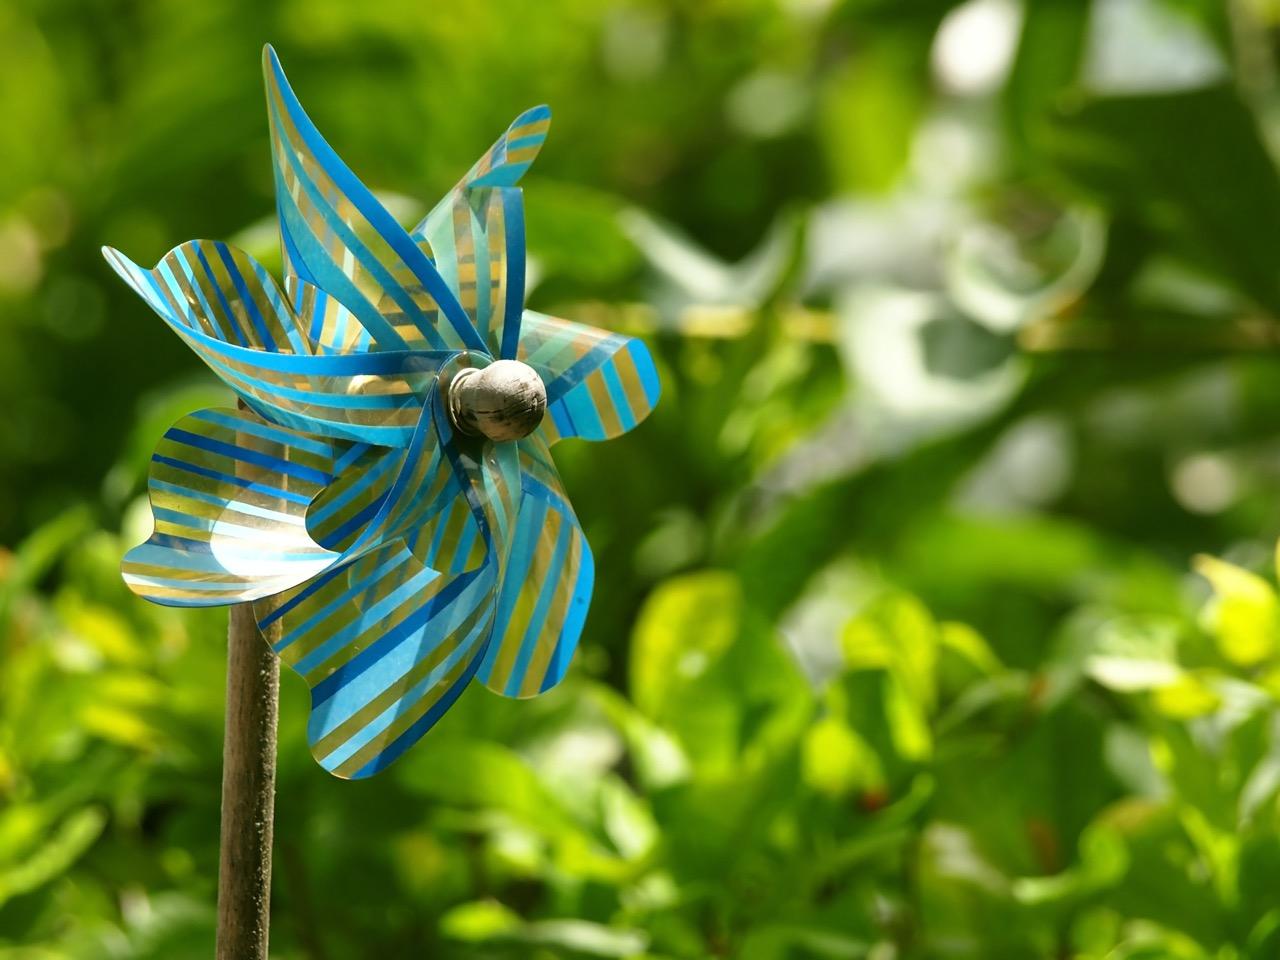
[(937, 611)]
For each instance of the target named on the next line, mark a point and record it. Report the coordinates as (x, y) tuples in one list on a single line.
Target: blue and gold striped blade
[(229, 494), (504, 163), (546, 590), (244, 508), (478, 243), (599, 384), (229, 314), (330, 326), (338, 237), (386, 645), (476, 233), (217, 290), (388, 641)]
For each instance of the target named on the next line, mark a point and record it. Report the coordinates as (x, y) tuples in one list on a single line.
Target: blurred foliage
[(937, 612)]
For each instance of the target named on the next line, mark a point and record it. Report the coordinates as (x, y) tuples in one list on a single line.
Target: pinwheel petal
[(388, 638), (217, 290), (337, 236), (478, 243), (599, 384), (386, 645), (330, 326), (368, 397), (229, 494), (546, 588), (476, 233), (511, 155)]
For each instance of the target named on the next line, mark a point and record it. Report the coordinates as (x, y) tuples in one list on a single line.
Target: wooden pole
[(248, 791), (248, 788)]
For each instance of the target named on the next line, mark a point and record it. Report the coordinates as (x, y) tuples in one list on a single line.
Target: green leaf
[(68, 842), (836, 761), (574, 232), (685, 626), (1191, 166), (1245, 615), (1046, 66), (479, 921)]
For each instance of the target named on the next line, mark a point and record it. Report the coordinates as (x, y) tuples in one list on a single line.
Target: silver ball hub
[(504, 401)]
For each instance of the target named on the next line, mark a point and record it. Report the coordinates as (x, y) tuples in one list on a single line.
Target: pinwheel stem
[(248, 790)]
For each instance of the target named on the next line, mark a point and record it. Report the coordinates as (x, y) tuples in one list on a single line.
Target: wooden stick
[(248, 788)]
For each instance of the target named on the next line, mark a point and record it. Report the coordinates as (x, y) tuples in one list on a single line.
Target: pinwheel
[(384, 492)]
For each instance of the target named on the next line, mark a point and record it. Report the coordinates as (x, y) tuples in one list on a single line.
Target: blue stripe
[(232, 322), (390, 231), (405, 702), (395, 557), (647, 372), (384, 608), (339, 399), (585, 417), (424, 723), (583, 367), (180, 256), (550, 586), (305, 593), (358, 664), (221, 477), (523, 546), (239, 506), (513, 219), (618, 394), (231, 420), (237, 281), (380, 436), (366, 479), (329, 275), (575, 618), (295, 261), (248, 456), (168, 541), (356, 520)]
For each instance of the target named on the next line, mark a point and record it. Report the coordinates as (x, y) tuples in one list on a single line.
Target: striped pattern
[(546, 591), (476, 233), (330, 326), (386, 645), (388, 641), (338, 237), (398, 559), (478, 244), (231, 313), (504, 163), (599, 384), (229, 494), (219, 291)]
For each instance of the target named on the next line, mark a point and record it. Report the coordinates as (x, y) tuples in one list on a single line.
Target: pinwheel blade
[(388, 638), (331, 327), (217, 290), (478, 244), (599, 384), (229, 494), (386, 645), (546, 590), (337, 236), (233, 315), (476, 233)]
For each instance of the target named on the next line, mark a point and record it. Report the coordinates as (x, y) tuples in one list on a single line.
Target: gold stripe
[(566, 578), (423, 704), (605, 409)]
